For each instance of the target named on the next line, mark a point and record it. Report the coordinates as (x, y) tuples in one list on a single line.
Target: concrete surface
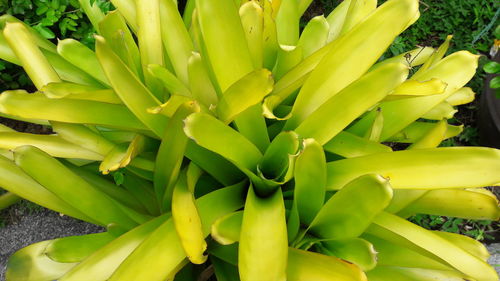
[(37, 226)]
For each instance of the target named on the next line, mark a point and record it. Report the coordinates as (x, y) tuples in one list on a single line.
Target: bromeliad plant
[(244, 149)]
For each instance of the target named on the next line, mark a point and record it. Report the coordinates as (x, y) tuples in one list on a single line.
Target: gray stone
[(494, 259), (37, 226)]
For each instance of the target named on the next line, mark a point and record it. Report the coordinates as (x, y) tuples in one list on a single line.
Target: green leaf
[(255, 261), (128, 9), (32, 59), (224, 45), (351, 210), (252, 19), (492, 67), (213, 135), (452, 254), (51, 144), (287, 23), (305, 265), (226, 230), (93, 12), (275, 162), (349, 145), (176, 39), (161, 253), (331, 117), (495, 83), (244, 93), (417, 130), (391, 254), (31, 261), (18, 182), (224, 271), (88, 200), (171, 153), (82, 57), (150, 44), (169, 80), (416, 169), (355, 250), (314, 35), (467, 204), (127, 86), (117, 34), (76, 248), (455, 70), (310, 180), (28, 106), (102, 263), (200, 84), (343, 64)]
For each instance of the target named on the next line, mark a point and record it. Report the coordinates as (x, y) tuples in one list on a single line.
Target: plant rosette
[(225, 143)]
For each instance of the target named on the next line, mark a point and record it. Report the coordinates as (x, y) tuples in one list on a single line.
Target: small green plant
[(493, 67), (477, 229), (225, 143)]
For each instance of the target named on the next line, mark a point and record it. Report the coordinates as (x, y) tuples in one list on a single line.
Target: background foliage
[(54, 19)]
